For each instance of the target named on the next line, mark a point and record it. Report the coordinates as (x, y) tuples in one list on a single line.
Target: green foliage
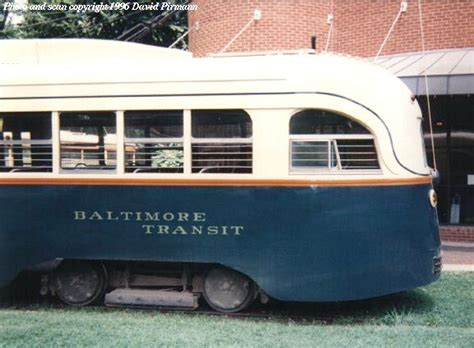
[(165, 156), (106, 24), (3, 16)]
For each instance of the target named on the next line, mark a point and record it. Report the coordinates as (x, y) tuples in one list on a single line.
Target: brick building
[(359, 27)]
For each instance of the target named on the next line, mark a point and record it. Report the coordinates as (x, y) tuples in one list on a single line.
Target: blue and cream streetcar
[(146, 177)]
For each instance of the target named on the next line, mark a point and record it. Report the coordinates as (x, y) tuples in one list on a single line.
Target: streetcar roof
[(80, 51), (65, 61)]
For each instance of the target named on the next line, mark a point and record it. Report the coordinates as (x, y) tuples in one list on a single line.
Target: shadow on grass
[(22, 295), (23, 291), (386, 310)]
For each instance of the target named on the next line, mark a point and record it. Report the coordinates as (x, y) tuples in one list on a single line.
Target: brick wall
[(360, 26), (284, 25), (457, 233)]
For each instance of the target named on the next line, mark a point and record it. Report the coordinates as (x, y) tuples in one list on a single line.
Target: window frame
[(155, 140), (22, 150), (328, 162), (114, 169), (222, 140)]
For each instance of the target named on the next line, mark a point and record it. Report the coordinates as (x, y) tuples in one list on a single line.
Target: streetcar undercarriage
[(150, 284)]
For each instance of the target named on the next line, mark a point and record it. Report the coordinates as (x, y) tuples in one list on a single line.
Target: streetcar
[(142, 176)]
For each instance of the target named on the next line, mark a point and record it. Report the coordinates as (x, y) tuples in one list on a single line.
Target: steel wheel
[(80, 283), (228, 291)]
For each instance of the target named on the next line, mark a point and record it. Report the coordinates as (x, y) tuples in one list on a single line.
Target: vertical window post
[(56, 142), (187, 141), (120, 142)]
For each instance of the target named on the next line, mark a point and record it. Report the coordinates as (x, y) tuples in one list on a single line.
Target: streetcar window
[(323, 140), (154, 141), (324, 122), (25, 142), (316, 154), (88, 140), (221, 141), (357, 153)]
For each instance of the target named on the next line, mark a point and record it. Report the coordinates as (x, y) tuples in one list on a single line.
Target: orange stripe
[(211, 182)]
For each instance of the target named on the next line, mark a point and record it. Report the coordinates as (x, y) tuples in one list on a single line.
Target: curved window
[(324, 122), (322, 140), (221, 141)]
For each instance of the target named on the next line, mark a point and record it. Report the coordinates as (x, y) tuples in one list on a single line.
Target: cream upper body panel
[(75, 75)]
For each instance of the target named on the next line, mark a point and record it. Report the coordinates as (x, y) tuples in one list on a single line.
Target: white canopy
[(449, 71)]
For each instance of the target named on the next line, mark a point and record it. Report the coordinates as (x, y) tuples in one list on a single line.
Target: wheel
[(79, 283), (228, 291)]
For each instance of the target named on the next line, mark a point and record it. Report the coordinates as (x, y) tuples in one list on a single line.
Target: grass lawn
[(439, 315)]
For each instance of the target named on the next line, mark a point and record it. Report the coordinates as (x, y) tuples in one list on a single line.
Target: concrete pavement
[(458, 257)]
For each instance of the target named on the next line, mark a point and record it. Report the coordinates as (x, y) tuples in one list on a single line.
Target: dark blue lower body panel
[(297, 243)]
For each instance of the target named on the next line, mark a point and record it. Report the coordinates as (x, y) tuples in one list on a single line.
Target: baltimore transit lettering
[(163, 223)]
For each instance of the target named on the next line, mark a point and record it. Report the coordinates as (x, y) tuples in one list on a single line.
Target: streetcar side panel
[(297, 243)]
